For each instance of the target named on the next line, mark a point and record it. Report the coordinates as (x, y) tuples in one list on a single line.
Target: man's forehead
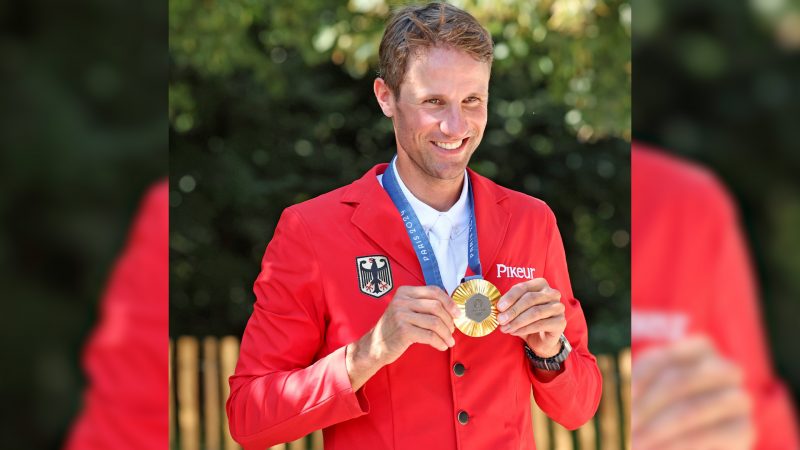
[(446, 69), (443, 53)]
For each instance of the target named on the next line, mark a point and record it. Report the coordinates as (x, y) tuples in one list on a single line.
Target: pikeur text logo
[(504, 271)]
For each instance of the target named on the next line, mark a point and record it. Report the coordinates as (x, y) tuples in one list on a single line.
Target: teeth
[(449, 146)]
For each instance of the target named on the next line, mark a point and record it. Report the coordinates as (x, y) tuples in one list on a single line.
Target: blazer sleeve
[(572, 397), (281, 389)]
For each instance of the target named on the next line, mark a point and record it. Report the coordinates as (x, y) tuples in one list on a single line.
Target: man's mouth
[(450, 145)]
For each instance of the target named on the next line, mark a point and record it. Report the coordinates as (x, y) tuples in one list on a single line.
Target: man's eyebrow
[(436, 94)]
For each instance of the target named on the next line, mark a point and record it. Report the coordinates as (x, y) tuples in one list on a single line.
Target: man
[(387, 369), (702, 377)]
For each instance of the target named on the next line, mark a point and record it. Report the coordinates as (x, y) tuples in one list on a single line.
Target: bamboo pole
[(316, 440), (299, 444), (188, 394), (562, 438), (541, 431), (609, 409), (229, 353), (587, 436), (211, 388), (171, 406), (625, 393)]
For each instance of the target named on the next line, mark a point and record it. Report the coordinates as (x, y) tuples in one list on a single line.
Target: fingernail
[(502, 318), (502, 305), (457, 312), (452, 342), (504, 328)]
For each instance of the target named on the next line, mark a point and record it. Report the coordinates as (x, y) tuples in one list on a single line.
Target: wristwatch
[(554, 362)]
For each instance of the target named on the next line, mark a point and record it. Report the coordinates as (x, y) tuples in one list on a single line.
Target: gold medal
[(477, 300)]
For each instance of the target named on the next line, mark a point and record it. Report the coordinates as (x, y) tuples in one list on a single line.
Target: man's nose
[(454, 123)]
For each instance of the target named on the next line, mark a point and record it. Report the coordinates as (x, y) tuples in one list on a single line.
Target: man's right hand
[(416, 315)]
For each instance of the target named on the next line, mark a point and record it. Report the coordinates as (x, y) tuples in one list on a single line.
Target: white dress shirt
[(447, 232)]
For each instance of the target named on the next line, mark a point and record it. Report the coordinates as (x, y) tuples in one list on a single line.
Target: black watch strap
[(553, 363)]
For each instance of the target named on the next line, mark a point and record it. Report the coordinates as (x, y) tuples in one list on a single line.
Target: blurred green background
[(717, 82), (83, 133), (271, 104)]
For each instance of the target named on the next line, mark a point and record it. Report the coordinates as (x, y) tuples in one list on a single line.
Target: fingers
[(526, 301), (519, 289), (435, 308), (554, 325), (735, 434), (530, 312), (433, 293), (686, 396), (429, 329), (679, 384), (656, 361), (707, 418)]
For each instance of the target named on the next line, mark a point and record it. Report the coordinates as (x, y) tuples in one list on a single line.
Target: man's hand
[(416, 314), (533, 311), (685, 395)]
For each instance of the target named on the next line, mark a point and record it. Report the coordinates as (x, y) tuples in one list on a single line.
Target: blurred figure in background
[(83, 133), (702, 373), (126, 360), (715, 82)]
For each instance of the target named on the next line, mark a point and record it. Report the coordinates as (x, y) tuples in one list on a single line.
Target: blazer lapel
[(492, 218), (377, 217)]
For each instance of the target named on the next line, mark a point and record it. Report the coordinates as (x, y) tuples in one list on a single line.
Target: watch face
[(566, 348), (564, 341)]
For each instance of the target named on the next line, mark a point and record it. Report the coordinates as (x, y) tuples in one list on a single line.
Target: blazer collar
[(377, 217)]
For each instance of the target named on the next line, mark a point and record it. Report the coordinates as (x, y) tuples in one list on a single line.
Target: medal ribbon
[(419, 240)]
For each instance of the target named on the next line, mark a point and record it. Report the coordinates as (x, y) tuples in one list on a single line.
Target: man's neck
[(439, 194)]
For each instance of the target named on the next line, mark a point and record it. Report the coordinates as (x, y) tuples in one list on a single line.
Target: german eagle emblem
[(374, 275)]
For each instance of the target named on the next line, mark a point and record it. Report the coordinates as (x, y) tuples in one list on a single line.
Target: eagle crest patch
[(374, 275)]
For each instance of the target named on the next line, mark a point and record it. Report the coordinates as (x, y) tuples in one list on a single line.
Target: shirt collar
[(457, 215)]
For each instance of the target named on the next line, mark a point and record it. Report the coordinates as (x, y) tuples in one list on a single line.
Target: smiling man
[(379, 316)]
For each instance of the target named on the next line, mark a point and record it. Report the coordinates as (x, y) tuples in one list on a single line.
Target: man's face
[(441, 112)]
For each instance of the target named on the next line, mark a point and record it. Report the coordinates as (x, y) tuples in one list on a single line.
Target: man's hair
[(414, 29)]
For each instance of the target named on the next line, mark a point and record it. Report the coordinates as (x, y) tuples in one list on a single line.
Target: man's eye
[(434, 101), (472, 100)]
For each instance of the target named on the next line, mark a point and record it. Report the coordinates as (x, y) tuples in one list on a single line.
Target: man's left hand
[(533, 311)]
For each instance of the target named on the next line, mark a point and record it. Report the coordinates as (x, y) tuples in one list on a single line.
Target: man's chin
[(451, 171)]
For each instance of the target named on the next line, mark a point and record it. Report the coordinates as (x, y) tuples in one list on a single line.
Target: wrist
[(360, 363), (544, 351), (550, 363)]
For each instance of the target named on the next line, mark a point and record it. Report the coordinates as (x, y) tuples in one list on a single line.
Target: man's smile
[(451, 145)]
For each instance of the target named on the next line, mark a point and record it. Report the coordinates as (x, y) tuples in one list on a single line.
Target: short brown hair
[(413, 29)]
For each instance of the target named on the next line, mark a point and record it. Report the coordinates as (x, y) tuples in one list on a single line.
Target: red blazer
[(291, 378), (691, 275)]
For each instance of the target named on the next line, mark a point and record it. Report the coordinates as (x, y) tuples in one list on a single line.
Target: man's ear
[(385, 97)]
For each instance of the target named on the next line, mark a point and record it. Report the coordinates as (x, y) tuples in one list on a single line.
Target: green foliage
[(717, 82), (272, 104), (83, 134)]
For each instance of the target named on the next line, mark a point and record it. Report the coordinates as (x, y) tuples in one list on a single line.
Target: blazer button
[(463, 417), (458, 369)]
